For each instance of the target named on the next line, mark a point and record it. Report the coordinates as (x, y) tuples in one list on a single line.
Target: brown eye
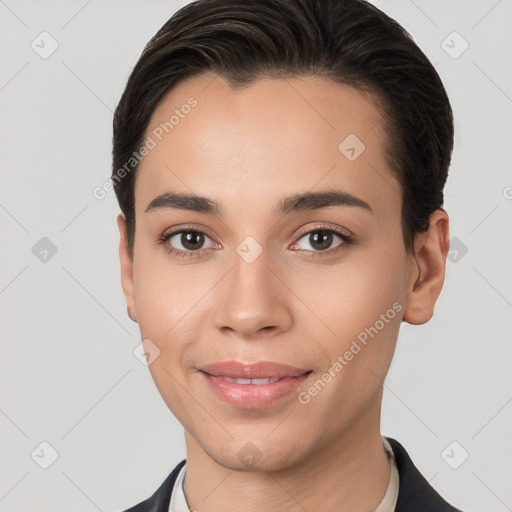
[(323, 241), (320, 240), (186, 243), (191, 240)]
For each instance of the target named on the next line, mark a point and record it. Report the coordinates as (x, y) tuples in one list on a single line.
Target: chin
[(255, 457)]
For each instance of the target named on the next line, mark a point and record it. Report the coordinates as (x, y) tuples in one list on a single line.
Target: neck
[(351, 473)]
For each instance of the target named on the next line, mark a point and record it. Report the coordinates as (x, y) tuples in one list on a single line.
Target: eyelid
[(197, 228), (327, 227)]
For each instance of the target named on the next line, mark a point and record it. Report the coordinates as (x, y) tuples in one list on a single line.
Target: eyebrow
[(298, 202)]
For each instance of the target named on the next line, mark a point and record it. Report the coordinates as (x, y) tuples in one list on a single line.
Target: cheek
[(174, 312), (168, 301), (360, 320), (168, 297), (347, 298), (357, 308)]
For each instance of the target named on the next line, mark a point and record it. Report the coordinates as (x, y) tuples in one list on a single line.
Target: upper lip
[(260, 370)]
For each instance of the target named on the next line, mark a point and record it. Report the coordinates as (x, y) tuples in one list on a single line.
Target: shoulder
[(414, 490), (159, 500)]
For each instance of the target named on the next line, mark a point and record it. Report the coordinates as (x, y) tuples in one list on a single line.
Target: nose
[(253, 302)]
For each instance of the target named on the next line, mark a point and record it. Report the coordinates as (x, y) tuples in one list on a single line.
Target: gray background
[(68, 373)]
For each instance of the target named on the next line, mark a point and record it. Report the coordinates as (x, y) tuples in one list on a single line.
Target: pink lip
[(260, 370), (253, 396)]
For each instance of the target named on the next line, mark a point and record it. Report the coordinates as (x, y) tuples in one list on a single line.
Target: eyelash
[(347, 241)]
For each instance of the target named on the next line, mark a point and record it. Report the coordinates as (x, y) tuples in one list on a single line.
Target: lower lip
[(253, 396)]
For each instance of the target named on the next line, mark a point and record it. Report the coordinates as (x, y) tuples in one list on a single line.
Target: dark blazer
[(415, 494)]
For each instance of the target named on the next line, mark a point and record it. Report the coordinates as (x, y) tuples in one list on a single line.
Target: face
[(252, 274)]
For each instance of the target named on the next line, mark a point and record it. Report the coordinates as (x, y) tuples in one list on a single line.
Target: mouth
[(244, 373), (256, 382), (253, 386)]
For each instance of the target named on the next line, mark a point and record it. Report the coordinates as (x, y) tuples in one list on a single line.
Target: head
[(280, 172)]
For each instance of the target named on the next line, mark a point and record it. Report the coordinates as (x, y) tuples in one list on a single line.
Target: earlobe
[(427, 269), (130, 314), (126, 268)]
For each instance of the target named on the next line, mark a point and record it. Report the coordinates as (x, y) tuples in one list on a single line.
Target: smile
[(257, 382)]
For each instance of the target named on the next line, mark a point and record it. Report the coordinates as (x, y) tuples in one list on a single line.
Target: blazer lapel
[(415, 494), (159, 501)]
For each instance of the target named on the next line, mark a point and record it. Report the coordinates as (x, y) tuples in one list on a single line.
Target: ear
[(427, 269), (126, 268)]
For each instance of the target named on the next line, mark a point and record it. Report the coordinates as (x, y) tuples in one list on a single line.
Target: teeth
[(258, 382)]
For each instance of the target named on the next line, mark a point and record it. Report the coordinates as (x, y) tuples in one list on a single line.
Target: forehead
[(257, 142)]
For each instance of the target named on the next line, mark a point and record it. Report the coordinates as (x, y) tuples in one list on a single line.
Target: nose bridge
[(253, 299)]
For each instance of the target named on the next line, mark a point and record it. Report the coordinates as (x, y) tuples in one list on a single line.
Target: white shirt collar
[(178, 502)]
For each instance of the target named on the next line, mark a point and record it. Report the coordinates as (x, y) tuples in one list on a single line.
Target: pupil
[(321, 239), (188, 240)]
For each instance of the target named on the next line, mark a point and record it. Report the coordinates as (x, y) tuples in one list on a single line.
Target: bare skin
[(295, 303)]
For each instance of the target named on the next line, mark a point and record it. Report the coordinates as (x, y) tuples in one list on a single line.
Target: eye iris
[(321, 239), (189, 238)]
